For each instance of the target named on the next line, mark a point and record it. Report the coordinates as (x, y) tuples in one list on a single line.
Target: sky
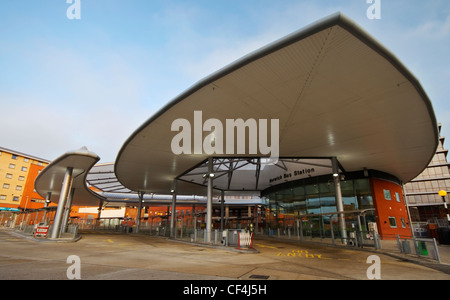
[(66, 83)]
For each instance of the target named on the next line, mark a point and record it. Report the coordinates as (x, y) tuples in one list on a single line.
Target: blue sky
[(91, 82)]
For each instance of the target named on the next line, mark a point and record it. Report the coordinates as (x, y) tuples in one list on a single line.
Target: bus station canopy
[(51, 178), (336, 92)]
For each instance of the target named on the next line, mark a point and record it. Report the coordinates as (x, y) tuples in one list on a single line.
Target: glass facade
[(307, 206), (423, 190)]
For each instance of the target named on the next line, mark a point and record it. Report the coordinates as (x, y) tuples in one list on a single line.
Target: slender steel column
[(209, 203), (139, 212), (99, 214), (67, 209), (339, 202), (222, 209), (174, 203), (256, 218), (68, 179)]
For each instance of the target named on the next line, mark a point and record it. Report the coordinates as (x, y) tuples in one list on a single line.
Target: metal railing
[(69, 232), (423, 247)]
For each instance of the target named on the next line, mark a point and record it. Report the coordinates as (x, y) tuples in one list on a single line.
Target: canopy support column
[(99, 213), (67, 210), (209, 203), (139, 212), (222, 209), (174, 203), (67, 183), (339, 201)]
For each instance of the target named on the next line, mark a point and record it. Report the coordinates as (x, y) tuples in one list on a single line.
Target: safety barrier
[(245, 239), (424, 247)]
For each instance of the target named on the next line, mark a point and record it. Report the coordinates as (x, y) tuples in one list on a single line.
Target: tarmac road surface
[(109, 256)]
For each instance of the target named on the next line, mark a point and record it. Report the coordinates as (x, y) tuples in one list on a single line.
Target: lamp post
[(443, 193)]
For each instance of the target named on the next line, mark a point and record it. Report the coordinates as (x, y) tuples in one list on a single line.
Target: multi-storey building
[(17, 174), (422, 192)]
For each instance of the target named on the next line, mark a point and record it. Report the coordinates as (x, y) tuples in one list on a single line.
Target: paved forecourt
[(118, 256)]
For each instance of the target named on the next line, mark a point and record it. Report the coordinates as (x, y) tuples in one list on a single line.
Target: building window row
[(439, 158), (7, 185), (434, 171), (4, 197), (431, 186), (16, 157), (10, 176), (387, 195), (13, 166), (393, 222)]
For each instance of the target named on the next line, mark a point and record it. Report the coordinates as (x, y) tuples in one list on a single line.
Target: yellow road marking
[(265, 246)]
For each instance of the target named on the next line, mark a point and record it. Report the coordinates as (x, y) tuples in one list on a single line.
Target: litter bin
[(406, 247), (224, 240)]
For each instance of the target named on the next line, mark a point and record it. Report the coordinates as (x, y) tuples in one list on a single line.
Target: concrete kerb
[(43, 240)]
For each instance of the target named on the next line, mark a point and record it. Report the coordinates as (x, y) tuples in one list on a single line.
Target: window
[(18, 187), (26, 159), (12, 166), (2, 197), (14, 156), (6, 185), (8, 175), (387, 194), (392, 222), (24, 169), (21, 178), (397, 197), (15, 198), (402, 220)]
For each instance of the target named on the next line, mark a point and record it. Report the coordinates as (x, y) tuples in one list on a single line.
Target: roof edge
[(337, 18), (304, 32), (80, 152)]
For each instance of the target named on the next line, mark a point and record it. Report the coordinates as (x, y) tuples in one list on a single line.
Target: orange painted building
[(17, 174), (391, 210), (30, 198)]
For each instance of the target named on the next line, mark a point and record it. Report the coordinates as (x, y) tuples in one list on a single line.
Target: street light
[(443, 193)]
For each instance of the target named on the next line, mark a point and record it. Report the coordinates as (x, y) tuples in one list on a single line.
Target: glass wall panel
[(327, 197), (299, 197), (363, 193), (348, 195), (289, 205), (312, 199)]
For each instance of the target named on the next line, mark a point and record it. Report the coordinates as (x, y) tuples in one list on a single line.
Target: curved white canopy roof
[(52, 176), (335, 91)]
